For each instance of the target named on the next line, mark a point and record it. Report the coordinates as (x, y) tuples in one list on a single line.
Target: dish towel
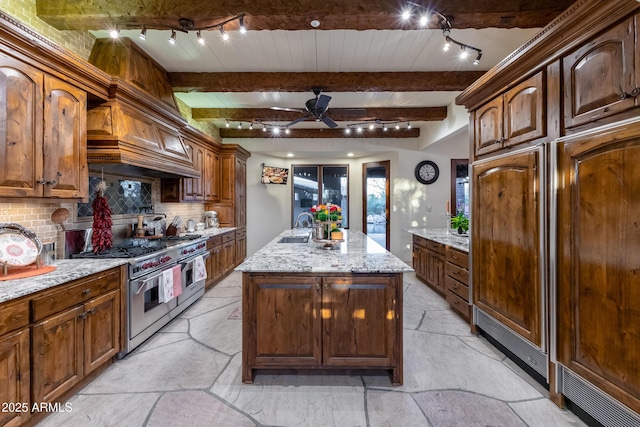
[(177, 280), (166, 286), (199, 270)]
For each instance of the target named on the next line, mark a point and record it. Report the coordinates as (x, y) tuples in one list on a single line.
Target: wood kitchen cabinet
[(429, 262), (304, 321), (44, 143), (14, 362), (602, 76), (516, 117), (214, 262), (505, 237), (232, 204), (598, 277), (241, 246), (76, 330), (228, 252), (202, 189)]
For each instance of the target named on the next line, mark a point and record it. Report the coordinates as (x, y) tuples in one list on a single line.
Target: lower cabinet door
[(14, 376), (57, 354), (352, 309), (101, 330), (286, 321)]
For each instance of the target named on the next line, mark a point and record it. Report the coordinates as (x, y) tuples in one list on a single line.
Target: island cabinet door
[(283, 318), (359, 319)]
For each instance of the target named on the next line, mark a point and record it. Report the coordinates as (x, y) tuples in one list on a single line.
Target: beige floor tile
[(392, 409)]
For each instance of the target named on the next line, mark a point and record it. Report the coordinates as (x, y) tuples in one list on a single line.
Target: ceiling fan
[(316, 109)]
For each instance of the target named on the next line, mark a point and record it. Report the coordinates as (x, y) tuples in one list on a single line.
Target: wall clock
[(427, 172)]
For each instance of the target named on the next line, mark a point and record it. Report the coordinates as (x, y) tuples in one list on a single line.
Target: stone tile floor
[(188, 374)]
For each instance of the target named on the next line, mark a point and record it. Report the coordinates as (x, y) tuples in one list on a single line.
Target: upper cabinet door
[(65, 168), (524, 111), (488, 127), (601, 78), (20, 129)]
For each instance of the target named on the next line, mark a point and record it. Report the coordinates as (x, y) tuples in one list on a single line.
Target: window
[(320, 184)]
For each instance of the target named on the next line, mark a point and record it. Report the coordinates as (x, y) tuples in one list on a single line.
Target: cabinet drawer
[(436, 247), (458, 305), (460, 274), (419, 241), (14, 315), (457, 257), (214, 241), (457, 288), (74, 293), (227, 237)]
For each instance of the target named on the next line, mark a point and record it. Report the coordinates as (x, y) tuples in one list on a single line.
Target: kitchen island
[(308, 308)]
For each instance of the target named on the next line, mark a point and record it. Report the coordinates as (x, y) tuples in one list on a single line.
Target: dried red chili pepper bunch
[(101, 239)]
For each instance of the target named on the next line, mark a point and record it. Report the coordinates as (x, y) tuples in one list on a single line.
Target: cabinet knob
[(635, 92), (51, 182), (318, 286), (86, 291), (624, 95), (84, 315), (92, 311), (326, 286)]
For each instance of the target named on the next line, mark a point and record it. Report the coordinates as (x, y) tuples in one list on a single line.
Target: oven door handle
[(145, 281), (191, 261)]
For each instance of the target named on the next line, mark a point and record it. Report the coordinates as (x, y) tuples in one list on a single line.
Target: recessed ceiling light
[(289, 154), (315, 23), (349, 154)]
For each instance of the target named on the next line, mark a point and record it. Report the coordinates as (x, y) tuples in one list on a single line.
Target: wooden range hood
[(138, 131)]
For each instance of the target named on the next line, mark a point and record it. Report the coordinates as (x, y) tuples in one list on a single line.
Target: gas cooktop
[(123, 251)]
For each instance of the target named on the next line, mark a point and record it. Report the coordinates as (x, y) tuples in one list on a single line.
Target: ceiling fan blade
[(297, 121), (323, 102), (327, 121), (297, 110)]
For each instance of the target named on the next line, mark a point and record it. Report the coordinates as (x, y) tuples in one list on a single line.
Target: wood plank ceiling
[(361, 54)]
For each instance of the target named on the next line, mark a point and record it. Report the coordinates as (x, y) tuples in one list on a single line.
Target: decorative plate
[(18, 246)]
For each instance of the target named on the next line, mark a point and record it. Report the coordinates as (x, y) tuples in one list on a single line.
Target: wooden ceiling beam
[(330, 82), (293, 15), (321, 133), (339, 115)]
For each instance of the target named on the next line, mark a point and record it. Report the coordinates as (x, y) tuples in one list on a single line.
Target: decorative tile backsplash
[(124, 196)]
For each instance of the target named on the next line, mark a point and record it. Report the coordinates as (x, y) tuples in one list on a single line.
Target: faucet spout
[(304, 223)]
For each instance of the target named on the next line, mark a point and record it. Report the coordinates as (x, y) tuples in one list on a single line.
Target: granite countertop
[(67, 270), (210, 232), (440, 235), (357, 254)]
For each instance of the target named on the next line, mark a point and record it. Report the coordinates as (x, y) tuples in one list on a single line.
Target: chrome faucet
[(304, 224)]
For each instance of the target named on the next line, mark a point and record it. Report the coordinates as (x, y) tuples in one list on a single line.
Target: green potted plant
[(460, 222)]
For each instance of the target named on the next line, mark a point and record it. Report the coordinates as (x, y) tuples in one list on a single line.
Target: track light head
[(199, 38), (115, 33), (225, 35), (143, 34), (172, 39), (477, 60), (242, 27)]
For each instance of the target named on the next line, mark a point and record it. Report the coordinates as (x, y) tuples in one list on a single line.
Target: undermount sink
[(294, 239)]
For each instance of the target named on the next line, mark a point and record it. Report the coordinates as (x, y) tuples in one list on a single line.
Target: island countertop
[(357, 254)]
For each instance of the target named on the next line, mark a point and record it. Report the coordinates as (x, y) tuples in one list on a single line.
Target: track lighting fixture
[(445, 25), (185, 25), (350, 128)]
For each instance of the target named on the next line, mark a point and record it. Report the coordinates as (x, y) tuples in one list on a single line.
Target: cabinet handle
[(635, 92), (92, 311), (318, 286), (86, 292), (51, 182), (84, 315), (326, 286), (42, 181)]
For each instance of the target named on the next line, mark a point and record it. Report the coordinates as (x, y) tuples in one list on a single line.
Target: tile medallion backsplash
[(125, 196)]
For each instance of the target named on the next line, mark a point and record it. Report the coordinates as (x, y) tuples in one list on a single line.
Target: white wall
[(412, 204)]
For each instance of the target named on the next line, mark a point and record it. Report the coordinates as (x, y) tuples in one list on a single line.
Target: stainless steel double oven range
[(148, 260)]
